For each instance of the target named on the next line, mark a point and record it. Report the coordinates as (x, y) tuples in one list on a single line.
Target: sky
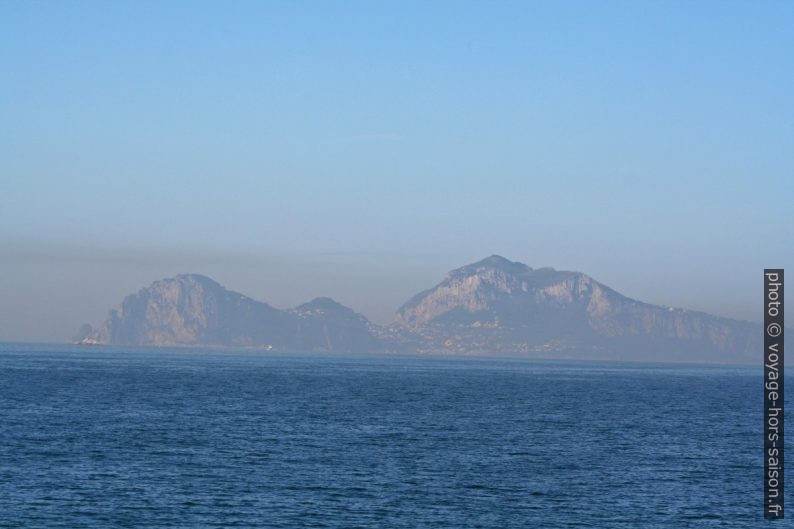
[(362, 149)]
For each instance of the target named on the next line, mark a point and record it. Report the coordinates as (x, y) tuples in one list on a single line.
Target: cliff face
[(492, 306), (194, 310), (496, 305)]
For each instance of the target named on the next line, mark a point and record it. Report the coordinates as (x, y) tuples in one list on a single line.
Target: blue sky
[(361, 149)]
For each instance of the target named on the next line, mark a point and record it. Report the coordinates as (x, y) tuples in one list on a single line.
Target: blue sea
[(129, 437)]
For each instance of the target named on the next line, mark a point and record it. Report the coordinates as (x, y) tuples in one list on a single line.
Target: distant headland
[(493, 306)]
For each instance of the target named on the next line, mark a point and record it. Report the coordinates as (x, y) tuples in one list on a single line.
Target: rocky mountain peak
[(322, 303), (182, 292), (485, 291), (492, 306), (492, 263), (497, 304), (193, 279), (324, 308), (192, 309)]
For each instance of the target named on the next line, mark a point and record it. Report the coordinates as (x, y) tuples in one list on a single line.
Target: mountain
[(500, 306), (493, 306), (191, 309), (324, 324)]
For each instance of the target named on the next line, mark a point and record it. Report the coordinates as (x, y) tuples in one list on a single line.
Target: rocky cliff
[(496, 305), (191, 309)]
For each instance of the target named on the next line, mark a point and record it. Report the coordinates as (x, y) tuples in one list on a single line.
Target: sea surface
[(130, 437)]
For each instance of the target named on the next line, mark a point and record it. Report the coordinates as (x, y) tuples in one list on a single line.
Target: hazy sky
[(362, 149)]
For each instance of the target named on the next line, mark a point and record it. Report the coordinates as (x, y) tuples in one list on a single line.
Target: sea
[(106, 437)]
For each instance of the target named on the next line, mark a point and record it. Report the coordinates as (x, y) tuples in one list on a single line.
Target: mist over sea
[(136, 437)]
